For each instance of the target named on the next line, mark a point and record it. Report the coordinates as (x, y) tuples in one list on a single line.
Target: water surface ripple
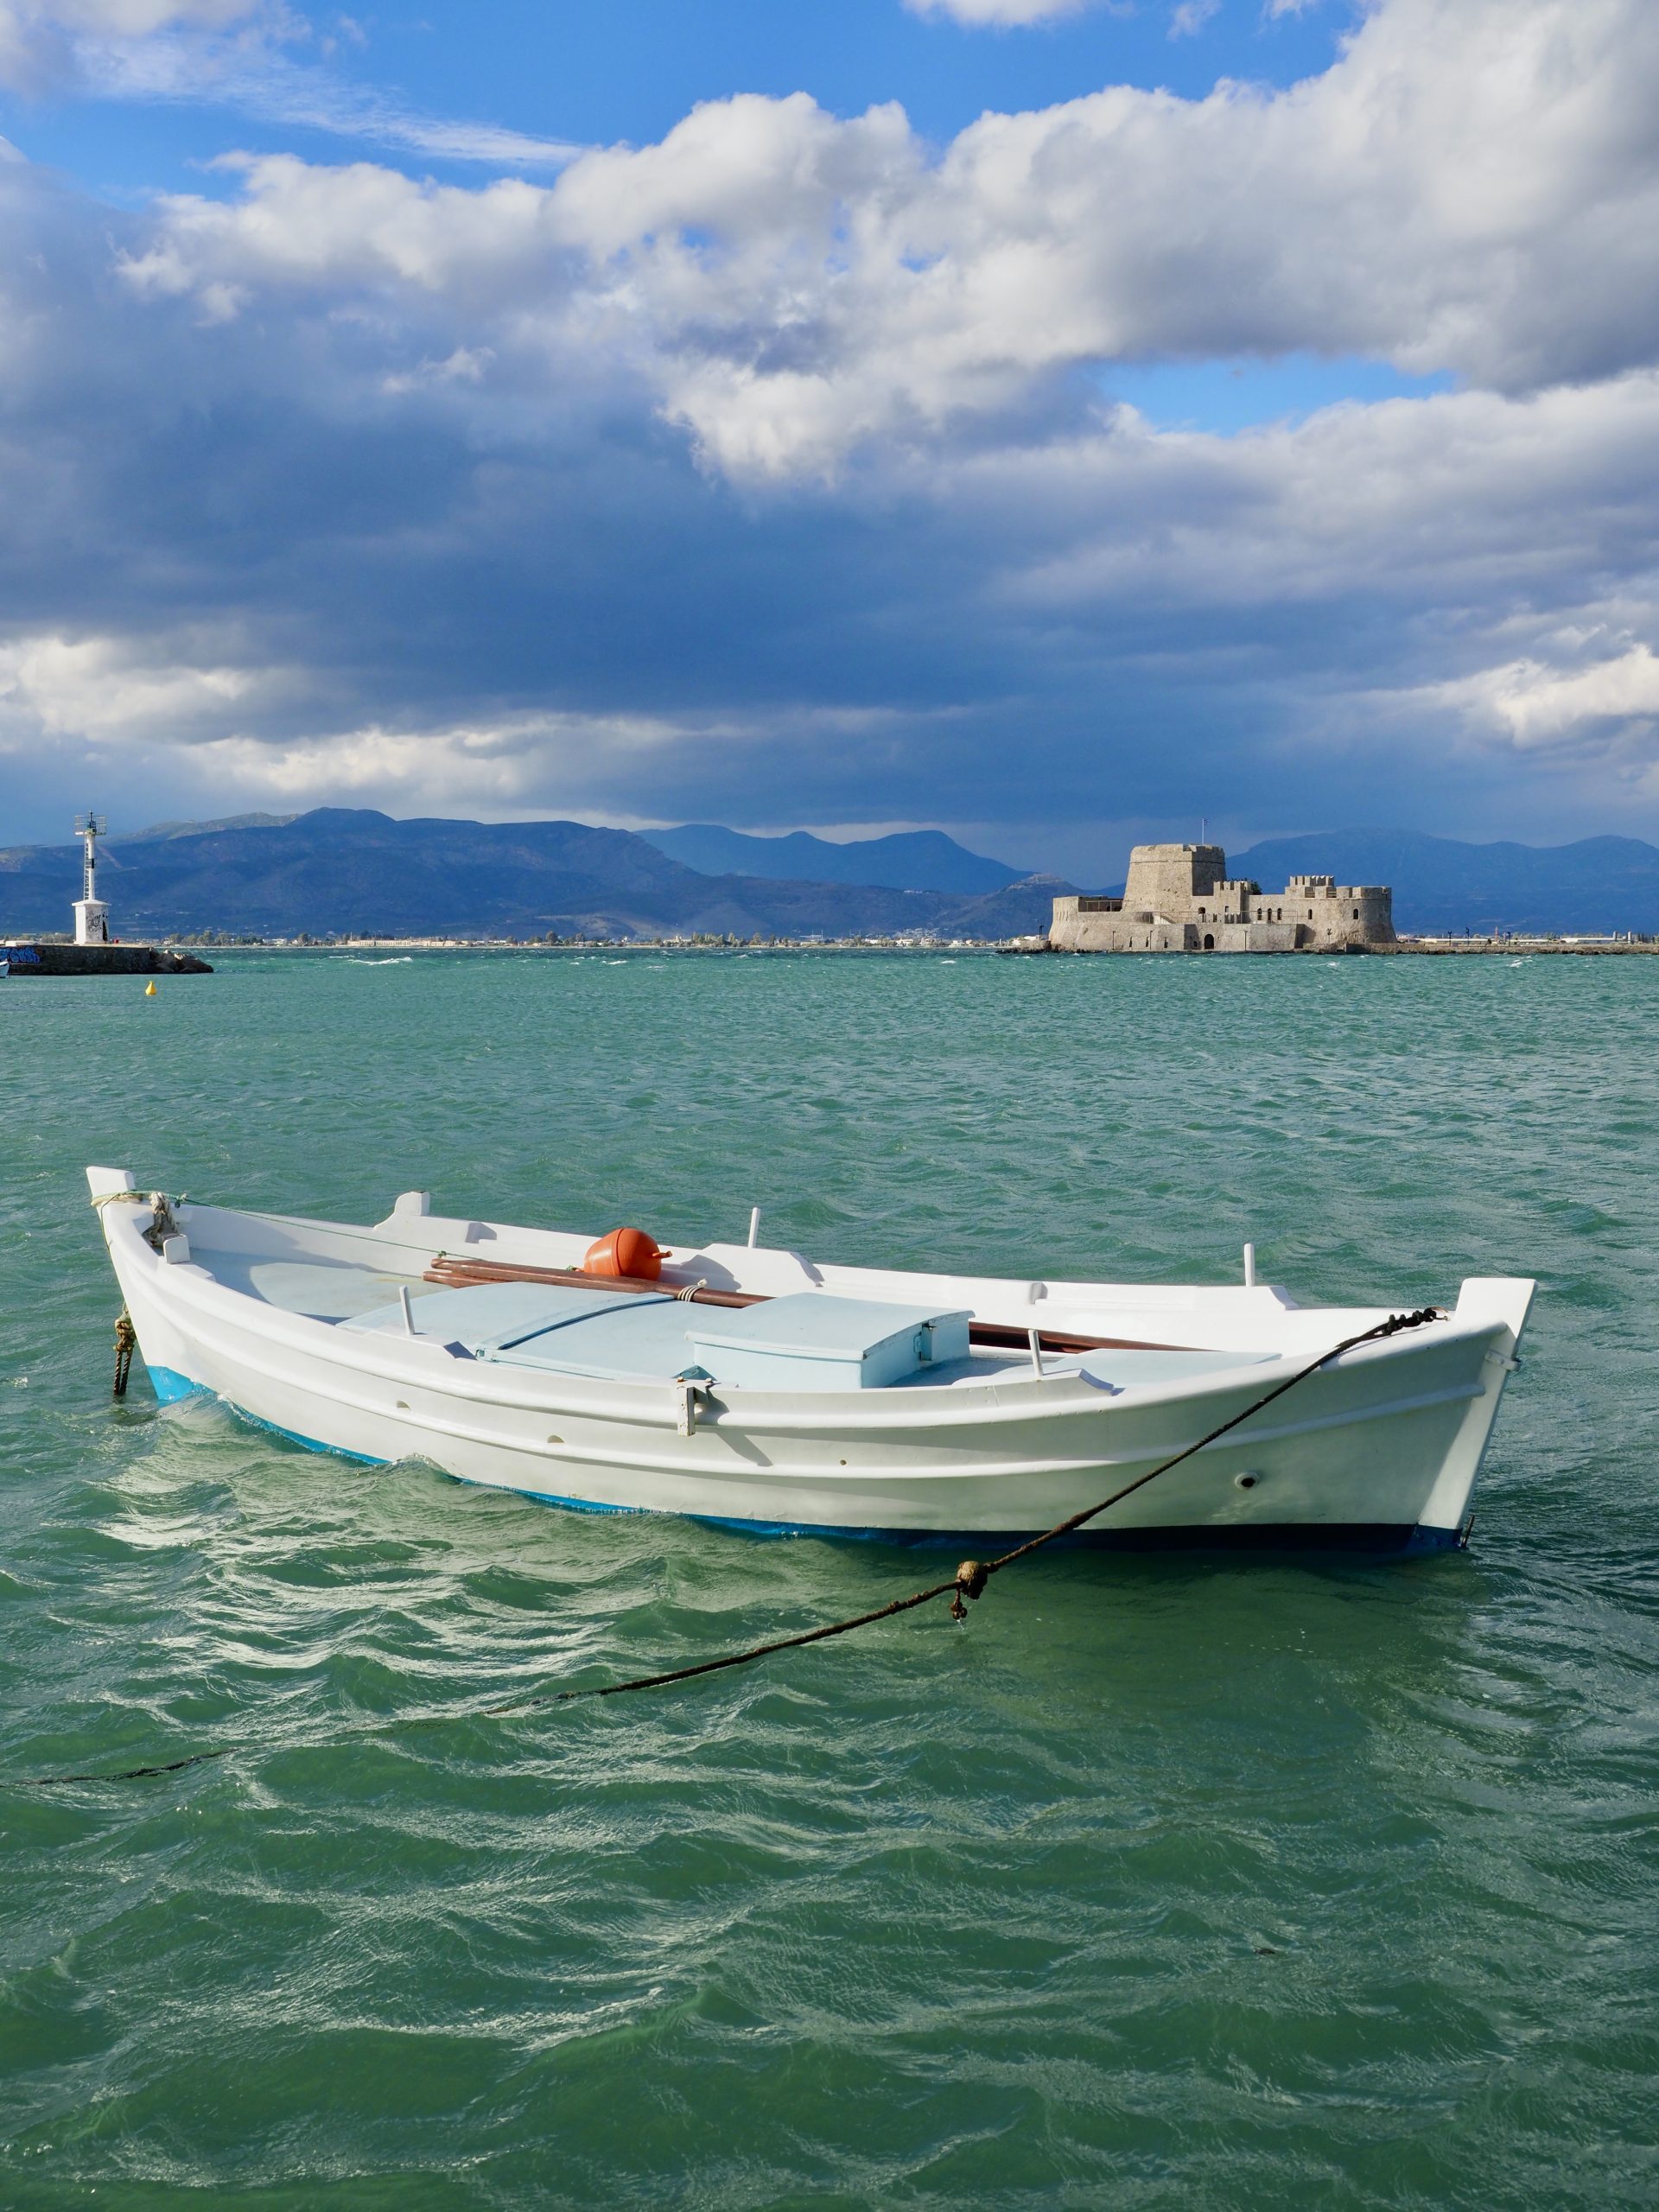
[(1164, 1883)]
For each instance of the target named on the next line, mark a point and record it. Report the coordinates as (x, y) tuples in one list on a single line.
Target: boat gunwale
[(1059, 1291), (1028, 1467), (926, 1407)]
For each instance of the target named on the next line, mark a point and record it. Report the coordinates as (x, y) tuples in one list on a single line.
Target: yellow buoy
[(149, 990)]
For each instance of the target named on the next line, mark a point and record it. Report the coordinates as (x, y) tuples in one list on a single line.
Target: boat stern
[(1498, 1304), (1505, 1299)]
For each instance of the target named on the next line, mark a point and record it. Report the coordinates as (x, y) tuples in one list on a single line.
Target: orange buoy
[(625, 1252)]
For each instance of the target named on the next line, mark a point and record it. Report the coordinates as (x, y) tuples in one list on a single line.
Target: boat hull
[(1212, 1532), (1378, 1453)]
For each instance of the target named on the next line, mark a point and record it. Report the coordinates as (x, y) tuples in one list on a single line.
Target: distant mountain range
[(913, 860), (340, 870), (1439, 885)]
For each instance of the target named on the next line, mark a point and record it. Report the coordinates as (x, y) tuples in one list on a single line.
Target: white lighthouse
[(91, 914)]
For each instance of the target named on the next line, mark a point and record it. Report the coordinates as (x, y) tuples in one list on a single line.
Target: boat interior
[(801, 1341)]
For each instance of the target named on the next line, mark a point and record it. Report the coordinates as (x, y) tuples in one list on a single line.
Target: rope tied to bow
[(163, 1222)]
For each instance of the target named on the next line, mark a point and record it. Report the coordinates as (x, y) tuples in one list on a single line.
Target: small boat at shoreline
[(749, 1385)]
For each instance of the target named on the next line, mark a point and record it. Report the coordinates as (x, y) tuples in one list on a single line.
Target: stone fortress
[(1180, 899)]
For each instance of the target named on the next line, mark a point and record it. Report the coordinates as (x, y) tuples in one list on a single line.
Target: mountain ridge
[(1442, 884), (905, 860), (356, 871)]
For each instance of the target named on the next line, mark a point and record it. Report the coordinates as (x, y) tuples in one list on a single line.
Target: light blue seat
[(325, 1290), (640, 1339), (811, 1340), (487, 1318)]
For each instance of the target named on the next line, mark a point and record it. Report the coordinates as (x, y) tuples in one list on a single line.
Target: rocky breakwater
[(39, 959)]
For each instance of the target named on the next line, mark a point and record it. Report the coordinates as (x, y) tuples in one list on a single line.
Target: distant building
[(92, 912), (1180, 899)]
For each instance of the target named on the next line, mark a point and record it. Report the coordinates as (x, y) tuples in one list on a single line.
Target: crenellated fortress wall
[(1180, 899)]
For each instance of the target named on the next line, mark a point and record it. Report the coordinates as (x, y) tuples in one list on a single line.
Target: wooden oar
[(459, 1273), (448, 1268)]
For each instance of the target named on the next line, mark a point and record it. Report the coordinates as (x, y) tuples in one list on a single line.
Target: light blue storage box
[(811, 1341)]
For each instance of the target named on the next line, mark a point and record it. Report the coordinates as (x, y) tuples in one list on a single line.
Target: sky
[(1059, 424)]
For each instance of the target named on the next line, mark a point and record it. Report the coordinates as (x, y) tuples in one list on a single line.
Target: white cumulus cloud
[(1472, 187), (108, 689), (1538, 706)]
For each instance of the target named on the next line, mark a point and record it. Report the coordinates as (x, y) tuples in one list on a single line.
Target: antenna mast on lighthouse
[(91, 914)]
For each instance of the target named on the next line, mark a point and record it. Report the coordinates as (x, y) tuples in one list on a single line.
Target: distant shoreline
[(1420, 947), (403, 947)]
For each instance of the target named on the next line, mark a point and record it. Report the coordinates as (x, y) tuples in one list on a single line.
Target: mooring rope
[(163, 1222), (126, 1343), (969, 1581)]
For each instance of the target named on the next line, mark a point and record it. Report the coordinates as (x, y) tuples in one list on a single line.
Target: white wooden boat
[(815, 1398)]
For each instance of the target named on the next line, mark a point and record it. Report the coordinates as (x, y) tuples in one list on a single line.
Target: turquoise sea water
[(1163, 1882)]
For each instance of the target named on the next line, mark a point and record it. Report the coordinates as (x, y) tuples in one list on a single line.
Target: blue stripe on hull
[(1385, 1539), (170, 1386), (1374, 1538)]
